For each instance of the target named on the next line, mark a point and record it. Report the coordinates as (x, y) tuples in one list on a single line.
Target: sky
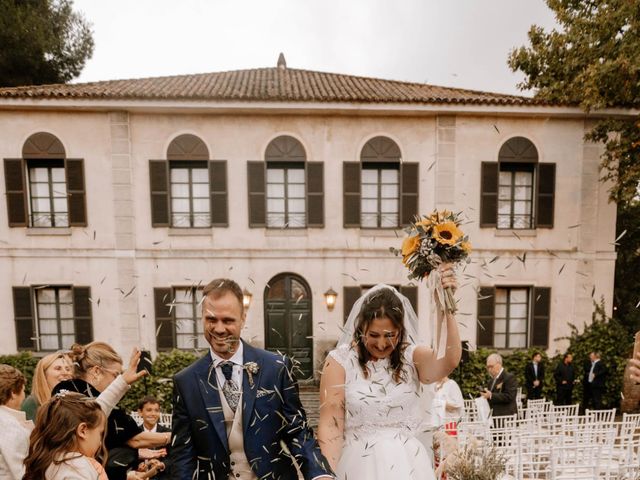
[(454, 43)]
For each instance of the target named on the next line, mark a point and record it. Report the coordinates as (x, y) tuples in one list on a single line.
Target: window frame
[(508, 319), (49, 164), (198, 336), (190, 165), (58, 319), (286, 166), (514, 168), (379, 167)]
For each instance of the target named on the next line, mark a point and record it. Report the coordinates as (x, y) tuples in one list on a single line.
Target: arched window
[(44, 187), (517, 191), (286, 190), (188, 190), (380, 191)]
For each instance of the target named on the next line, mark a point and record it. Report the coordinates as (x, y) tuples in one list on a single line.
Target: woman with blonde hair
[(96, 366), (50, 370)]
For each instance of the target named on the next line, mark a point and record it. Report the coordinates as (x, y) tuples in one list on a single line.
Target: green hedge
[(603, 334), (25, 362)]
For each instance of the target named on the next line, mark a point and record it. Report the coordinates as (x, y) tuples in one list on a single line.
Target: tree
[(594, 62), (42, 41)]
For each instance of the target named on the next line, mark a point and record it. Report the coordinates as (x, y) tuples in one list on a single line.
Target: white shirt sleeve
[(112, 395), (14, 447)]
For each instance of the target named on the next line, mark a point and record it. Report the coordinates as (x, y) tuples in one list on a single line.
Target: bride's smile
[(381, 338)]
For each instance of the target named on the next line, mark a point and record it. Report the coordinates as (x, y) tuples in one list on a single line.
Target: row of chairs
[(553, 442)]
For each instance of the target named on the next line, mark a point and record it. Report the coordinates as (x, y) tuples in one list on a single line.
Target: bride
[(369, 392)]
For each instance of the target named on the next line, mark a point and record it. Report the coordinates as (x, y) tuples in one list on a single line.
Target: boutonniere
[(251, 369), (499, 386)]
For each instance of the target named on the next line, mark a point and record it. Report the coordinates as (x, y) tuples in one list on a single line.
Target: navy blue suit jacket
[(271, 413)]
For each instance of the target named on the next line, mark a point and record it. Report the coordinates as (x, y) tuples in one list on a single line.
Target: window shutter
[(409, 175), (159, 185), (541, 316), (23, 314), (218, 191), (489, 194), (411, 292), (165, 328), (546, 194), (76, 192), (82, 320), (351, 294), (315, 194), (257, 194), (14, 177), (486, 313), (351, 194)]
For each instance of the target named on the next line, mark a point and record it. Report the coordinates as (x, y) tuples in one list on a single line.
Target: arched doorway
[(288, 322)]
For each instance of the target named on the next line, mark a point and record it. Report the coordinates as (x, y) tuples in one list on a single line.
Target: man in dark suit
[(502, 389), (235, 408), (534, 377), (594, 379), (565, 378)]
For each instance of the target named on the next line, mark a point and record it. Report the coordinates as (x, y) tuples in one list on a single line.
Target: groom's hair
[(218, 287)]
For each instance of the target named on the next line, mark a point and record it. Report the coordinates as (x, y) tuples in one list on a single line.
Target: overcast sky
[(456, 43)]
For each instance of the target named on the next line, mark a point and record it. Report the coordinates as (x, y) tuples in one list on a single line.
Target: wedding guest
[(448, 405), (97, 365), (565, 378), (502, 389), (595, 376), (149, 411), (66, 440), (14, 426), (534, 377), (50, 370)]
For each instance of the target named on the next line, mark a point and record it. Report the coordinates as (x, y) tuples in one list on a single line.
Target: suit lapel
[(208, 385), (249, 391)]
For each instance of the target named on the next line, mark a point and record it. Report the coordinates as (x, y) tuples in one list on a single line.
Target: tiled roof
[(267, 85)]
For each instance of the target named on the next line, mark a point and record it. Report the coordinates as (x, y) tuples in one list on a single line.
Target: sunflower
[(446, 233), (466, 247), (410, 245)]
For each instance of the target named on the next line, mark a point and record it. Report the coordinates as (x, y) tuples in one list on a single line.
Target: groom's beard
[(226, 343)]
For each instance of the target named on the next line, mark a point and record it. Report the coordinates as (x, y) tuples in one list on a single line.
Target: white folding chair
[(602, 416), (575, 463), (165, 420), (136, 416)]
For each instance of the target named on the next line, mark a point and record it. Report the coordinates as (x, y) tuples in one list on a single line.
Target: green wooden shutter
[(410, 180), (159, 185), (489, 194), (165, 326), (351, 194), (76, 192), (23, 315), (257, 194), (315, 194), (82, 320), (486, 314), (351, 295), (411, 292), (546, 194), (218, 190), (14, 178), (541, 317), (276, 331)]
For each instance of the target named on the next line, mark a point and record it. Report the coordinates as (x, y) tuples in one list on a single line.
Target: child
[(68, 435), (149, 411)]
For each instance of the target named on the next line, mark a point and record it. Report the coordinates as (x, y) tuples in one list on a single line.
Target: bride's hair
[(381, 303)]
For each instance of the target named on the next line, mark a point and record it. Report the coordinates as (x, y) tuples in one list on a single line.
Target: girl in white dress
[(370, 411)]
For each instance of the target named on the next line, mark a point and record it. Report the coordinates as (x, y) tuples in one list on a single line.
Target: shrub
[(25, 362)]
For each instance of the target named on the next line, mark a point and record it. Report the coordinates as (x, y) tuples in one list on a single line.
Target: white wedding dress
[(381, 422)]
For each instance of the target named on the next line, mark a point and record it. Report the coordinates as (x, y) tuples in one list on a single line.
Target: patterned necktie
[(230, 389)]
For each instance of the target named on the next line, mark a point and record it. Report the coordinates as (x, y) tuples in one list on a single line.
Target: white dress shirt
[(14, 442)]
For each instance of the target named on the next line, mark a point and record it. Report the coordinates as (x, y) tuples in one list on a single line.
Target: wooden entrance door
[(288, 320)]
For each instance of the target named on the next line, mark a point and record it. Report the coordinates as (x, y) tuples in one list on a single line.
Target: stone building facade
[(124, 198)]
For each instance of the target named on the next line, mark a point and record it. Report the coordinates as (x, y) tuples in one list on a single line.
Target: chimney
[(282, 63)]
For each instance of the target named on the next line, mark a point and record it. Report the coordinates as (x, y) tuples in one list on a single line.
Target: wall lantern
[(330, 297), (246, 298)]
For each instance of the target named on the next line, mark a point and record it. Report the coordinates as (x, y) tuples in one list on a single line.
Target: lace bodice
[(377, 404)]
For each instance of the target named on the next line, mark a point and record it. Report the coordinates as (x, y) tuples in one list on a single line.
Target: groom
[(235, 408)]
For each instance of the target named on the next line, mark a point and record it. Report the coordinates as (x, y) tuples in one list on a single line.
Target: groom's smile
[(223, 318)]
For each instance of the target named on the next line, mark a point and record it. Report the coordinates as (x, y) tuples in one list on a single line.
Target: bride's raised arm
[(429, 367), (332, 411)]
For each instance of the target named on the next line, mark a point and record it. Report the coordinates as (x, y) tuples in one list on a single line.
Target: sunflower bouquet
[(432, 240)]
